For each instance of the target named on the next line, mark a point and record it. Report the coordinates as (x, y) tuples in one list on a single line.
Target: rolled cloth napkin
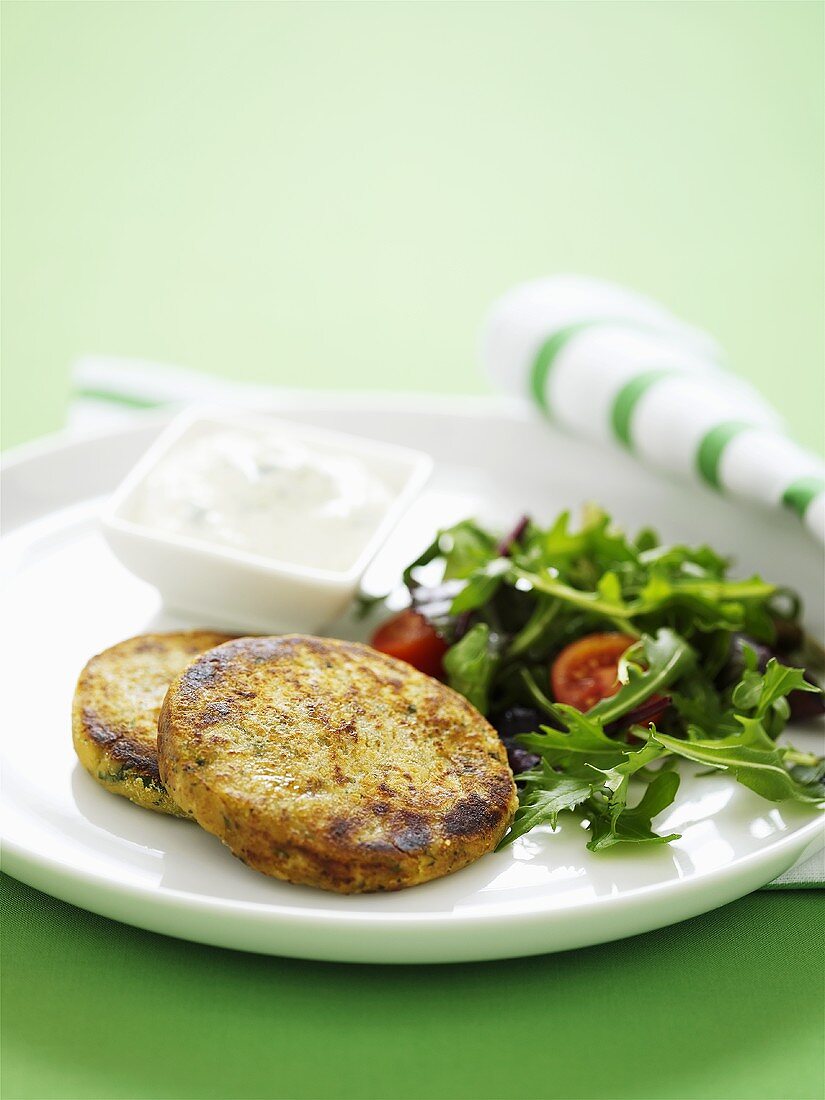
[(612, 365)]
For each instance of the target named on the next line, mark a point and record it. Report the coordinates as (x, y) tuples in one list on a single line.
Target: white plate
[(66, 597)]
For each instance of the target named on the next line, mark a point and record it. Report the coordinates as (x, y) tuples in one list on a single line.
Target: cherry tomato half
[(409, 637), (588, 670)]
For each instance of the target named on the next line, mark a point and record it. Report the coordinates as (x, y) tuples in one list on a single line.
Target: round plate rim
[(798, 840)]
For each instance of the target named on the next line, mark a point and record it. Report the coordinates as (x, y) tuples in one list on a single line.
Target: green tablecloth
[(331, 195), (726, 1006)]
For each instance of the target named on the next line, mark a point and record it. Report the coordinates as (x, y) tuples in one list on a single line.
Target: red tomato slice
[(588, 670), (409, 637)]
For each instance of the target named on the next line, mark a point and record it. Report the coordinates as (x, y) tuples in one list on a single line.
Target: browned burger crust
[(115, 712), (327, 763)]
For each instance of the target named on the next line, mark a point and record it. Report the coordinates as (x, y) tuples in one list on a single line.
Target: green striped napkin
[(618, 368)]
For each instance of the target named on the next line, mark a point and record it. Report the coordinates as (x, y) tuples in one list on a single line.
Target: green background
[(331, 195)]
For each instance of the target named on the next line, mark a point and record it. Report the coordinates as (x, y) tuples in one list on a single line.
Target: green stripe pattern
[(117, 398), (549, 352), (547, 355), (627, 399), (801, 492), (712, 447)]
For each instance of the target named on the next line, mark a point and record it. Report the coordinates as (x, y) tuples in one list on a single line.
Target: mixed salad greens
[(602, 659)]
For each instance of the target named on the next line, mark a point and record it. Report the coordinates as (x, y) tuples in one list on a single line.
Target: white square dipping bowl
[(240, 590)]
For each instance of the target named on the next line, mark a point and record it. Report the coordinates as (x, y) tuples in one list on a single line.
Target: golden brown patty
[(326, 763), (116, 706)]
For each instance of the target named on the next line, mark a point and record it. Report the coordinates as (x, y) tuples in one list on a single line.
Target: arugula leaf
[(469, 665), (430, 554), (535, 630), (759, 692), (809, 775), (635, 762), (582, 555), (609, 587), (701, 604), (620, 824), (667, 657), (615, 610), (646, 540), (466, 547), (481, 587), (541, 802), (682, 558), (752, 757), (701, 709), (584, 743), (718, 593)]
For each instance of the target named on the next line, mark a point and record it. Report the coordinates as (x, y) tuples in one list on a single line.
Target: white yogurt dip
[(254, 524), (267, 494)]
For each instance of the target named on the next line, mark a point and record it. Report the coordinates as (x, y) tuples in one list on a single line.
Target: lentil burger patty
[(115, 712), (327, 763)]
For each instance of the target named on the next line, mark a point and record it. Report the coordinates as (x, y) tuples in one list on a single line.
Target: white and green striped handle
[(616, 367)]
